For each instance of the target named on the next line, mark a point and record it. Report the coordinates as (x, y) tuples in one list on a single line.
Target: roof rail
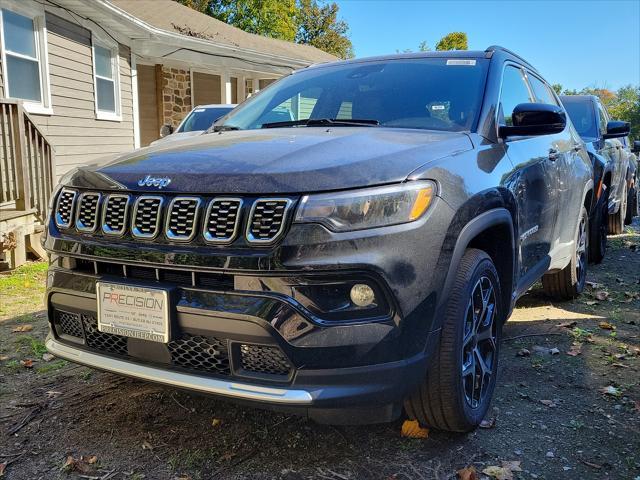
[(493, 48)]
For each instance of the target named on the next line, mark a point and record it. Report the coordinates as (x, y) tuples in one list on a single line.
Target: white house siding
[(76, 135)]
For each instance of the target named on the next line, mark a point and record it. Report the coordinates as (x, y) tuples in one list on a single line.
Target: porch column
[(256, 85), (242, 95), (226, 88)]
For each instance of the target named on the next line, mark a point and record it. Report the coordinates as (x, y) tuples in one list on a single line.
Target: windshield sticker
[(437, 107), (461, 62)]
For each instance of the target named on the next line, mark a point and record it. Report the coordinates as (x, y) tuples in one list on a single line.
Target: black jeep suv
[(361, 254)]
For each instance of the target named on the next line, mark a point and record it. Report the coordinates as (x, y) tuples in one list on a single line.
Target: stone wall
[(176, 95)]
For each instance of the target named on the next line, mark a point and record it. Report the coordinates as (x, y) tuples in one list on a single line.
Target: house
[(81, 80)]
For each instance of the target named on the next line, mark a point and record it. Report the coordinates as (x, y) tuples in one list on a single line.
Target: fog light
[(362, 295)]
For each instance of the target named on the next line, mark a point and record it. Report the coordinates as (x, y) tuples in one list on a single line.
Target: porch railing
[(26, 161)]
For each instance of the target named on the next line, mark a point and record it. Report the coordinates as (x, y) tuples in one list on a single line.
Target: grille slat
[(182, 218), (88, 210), (114, 216), (222, 220), (146, 217), (267, 220), (64, 208)]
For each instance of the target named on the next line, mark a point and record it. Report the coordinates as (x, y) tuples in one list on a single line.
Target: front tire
[(569, 282), (598, 230), (632, 205), (457, 390), (616, 221)]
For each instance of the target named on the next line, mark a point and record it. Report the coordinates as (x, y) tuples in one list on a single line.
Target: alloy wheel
[(581, 252), (479, 343)]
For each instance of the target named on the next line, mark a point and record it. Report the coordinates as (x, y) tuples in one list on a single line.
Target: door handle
[(553, 154)]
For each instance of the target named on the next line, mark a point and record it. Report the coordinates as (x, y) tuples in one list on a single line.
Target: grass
[(22, 291), (51, 367)]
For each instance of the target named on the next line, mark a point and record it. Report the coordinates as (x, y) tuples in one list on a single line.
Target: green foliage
[(318, 25), (270, 18), (424, 47), (453, 41), (557, 88), (304, 21)]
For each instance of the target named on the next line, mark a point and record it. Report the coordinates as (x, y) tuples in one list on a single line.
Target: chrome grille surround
[(182, 218), (114, 214), (222, 219), (88, 211), (65, 206), (147, 213), (267, 220)]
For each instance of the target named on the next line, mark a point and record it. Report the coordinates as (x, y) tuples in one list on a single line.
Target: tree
[(627, 107), (319, 26), (201, 6), (270, 18), (453, 41), (424, 47), (557, 88)]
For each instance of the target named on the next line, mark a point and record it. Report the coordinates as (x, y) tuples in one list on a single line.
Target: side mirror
[(535, 119), (636, 146), (165, 130), (616, 129)]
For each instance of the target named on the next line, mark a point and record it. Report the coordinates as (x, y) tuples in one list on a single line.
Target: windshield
[(424, 93), (582, 116), (202, 118)]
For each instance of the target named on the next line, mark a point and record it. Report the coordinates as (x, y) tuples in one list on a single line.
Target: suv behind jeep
[(359, 255)]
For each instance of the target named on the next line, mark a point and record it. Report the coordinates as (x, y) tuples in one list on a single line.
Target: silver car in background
[(195, 123)]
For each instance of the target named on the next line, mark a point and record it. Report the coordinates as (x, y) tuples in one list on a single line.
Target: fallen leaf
[(500, 473), (602, 295), (636, 404), (47, 357), (548, 403), (575, 349), (554, 351), (567, 324), (412, 429), (619, 365), (3, 467), (523, 352), (52, 393), (593, 285), (215, 422), (22, 328), (146, 446), (488, 423), (91, 459), (75, 465), (28, 363), (591, 303), (513, 465), (591, 464), (3, 358), (611, 390), (468, 473), (606, 326)]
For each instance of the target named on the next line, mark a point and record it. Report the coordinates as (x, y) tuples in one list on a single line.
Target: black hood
[(291, 160)]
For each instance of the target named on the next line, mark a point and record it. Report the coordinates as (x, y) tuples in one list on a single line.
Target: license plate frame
[(134, 311)]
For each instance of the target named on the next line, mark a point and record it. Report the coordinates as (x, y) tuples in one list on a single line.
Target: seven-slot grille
[(64, 208), (221, 221), (267, 220), (146, 217), (114, 219), (182, 218), (88, 204)]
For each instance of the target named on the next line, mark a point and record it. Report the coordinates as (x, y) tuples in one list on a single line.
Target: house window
[(24, 59), (107, 85)]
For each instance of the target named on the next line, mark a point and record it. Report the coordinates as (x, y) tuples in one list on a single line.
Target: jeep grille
[(115, 212), (183, 214), (267, 220), (146, 217), (64, 208), (223, 217)]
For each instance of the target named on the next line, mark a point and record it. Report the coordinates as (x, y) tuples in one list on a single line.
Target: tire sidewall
[(473, 416), (579, 283)]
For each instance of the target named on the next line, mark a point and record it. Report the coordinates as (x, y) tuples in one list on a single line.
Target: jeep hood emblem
[(150, 181)]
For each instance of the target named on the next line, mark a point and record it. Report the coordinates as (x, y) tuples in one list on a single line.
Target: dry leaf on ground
[(412, 429), (523, 352), (606, 326), (28, 363), (611, 390), (602, 295), (499, 473), (47, 357), (22, 328), (216, 422), (488, 423), (567, 324), (3, 467), (548, 403), (76, 465), (468, 473), (575, 349)]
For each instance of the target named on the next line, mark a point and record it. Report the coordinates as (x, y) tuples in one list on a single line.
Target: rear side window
[(604, 118), (542, 91), (514, 91)]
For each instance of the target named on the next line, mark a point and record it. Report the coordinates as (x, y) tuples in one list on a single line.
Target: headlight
[(367, 207)]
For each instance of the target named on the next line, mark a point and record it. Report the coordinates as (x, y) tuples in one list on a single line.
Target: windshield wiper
[(221, 128), (334, 122)]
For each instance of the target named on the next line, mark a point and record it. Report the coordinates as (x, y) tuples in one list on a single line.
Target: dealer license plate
[(133, 311)]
